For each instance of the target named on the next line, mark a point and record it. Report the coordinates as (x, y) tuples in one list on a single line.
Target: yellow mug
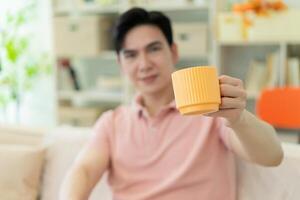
[(196, 90)]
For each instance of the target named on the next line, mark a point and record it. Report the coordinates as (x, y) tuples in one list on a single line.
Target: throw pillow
[(20, 171)]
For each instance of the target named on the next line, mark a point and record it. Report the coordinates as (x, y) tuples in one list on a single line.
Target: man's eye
[(155, 48), (129, 55)]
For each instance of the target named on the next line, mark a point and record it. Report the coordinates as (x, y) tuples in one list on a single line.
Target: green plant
[(20, 62)]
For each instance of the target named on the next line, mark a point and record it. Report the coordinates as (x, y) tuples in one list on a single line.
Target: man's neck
[(154, 102)]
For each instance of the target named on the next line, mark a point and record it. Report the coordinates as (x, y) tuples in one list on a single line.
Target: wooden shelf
[(88, 9), (107, 55), (82, 97), (247, 43), (257, 43), (193, 57), (94, 8), (177, 8), (294, 42)]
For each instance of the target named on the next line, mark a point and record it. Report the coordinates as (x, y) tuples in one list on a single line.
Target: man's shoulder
[(118, 112), (114, 116)]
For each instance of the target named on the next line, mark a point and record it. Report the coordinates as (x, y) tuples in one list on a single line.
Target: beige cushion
[(17, 138), (271, 183), (20, 171), (20, 135), (64, 144)]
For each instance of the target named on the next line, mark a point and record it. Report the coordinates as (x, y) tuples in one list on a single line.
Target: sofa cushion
[(20, 171), (254, 182), (63, 145), (10, 134), (271, 183)]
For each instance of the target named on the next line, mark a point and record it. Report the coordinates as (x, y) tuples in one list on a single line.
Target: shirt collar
[(140, 109)]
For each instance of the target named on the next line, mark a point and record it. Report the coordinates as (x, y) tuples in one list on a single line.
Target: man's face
[(147, 59)]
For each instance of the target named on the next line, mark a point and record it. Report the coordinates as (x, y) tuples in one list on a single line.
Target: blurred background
[(58, 74), (58, 67)]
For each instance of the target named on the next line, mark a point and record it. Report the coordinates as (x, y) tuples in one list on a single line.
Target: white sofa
[(62, 145)]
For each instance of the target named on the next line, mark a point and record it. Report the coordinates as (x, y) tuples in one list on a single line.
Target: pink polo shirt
[(166, 157)]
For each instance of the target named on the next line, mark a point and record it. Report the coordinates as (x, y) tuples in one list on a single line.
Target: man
[(151, 151)]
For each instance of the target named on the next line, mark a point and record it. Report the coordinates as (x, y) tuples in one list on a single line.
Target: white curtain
[(38, 106)]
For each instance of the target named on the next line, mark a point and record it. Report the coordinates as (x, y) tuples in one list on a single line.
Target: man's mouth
[(149, 79)]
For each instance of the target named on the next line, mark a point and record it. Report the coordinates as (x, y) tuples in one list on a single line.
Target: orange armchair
[(280, 107)]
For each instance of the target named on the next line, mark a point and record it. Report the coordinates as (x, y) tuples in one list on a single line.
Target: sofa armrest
[(271, 183), (10, 134), (64, 144)]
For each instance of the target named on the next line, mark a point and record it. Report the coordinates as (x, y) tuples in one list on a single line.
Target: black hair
[(139, 16)]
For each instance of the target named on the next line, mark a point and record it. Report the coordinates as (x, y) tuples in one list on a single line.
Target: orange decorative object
[(259, 7), (243, 7), (196, 90), (280, 107)]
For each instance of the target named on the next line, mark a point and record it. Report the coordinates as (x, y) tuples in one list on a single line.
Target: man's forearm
[(75, 185), (257, 140)]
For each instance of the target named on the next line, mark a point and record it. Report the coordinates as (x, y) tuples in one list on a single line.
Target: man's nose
[(144, 64)]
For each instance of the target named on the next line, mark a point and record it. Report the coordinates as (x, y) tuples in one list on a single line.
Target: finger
[(232, 91), (232, 103), (224, 79)]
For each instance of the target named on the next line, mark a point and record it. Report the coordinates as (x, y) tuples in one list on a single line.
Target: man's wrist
[(241, 122)]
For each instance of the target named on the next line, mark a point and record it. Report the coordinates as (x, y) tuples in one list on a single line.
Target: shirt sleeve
[(100, 137), (224, 132)]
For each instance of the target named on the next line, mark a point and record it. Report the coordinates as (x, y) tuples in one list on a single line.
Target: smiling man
[(150, 151)]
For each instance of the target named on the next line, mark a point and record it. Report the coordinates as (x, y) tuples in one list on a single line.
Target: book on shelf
[(263, 74), (293, 72), (273, 69), (255, 78), (67, 76), (64, 80)]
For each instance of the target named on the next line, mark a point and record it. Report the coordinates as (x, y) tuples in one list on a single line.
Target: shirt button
[(153, 129)]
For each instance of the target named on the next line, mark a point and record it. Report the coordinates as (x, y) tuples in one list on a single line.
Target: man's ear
[(118, 59), (174, 51), (119, 63)]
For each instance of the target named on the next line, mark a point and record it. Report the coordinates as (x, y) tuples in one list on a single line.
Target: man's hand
[(254, 140), (233, 99)]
